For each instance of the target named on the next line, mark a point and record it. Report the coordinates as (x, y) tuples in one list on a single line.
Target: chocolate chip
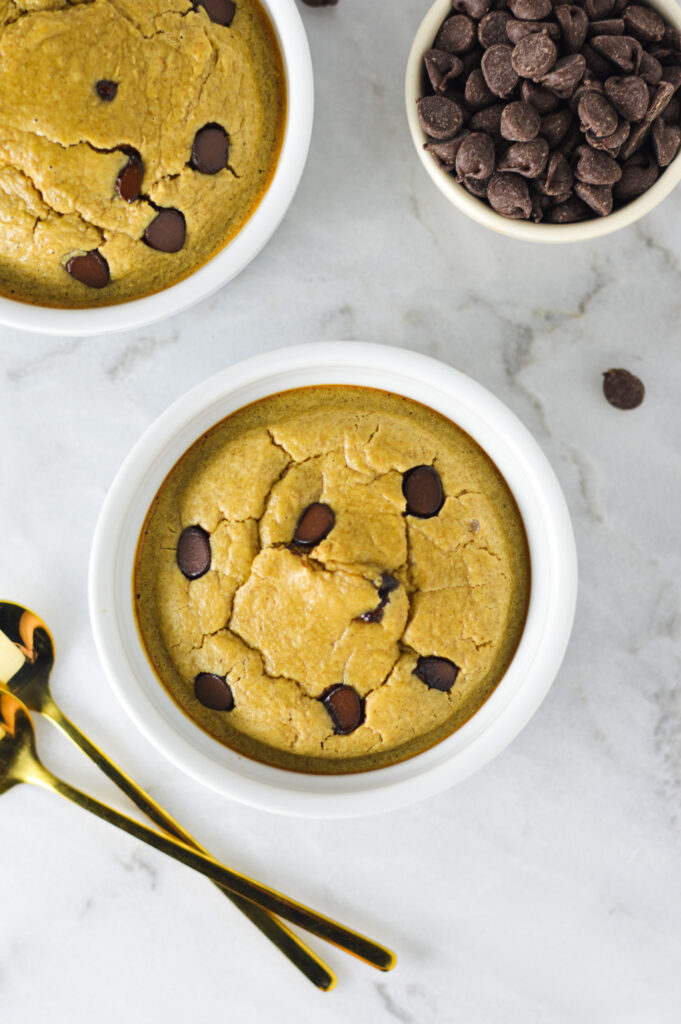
[(498, 70), (222, 11), (596, 10), (106, 89), (541, 98), (574, 26), (439, 117), (569, 212), (611, 144), (526, 158), (666, 139), (91, 269), (509, 195), (444, 151), (437, 673), (517, 30), (388, 584), (650, 69), (636, 179), (559, 178), (213, 691), (520, 122), (533, 56), (475, 158), (596, 168), (661, 98), (597, 114), (565, 75), (672, 111), (476, 9), (345, 708), (595, 62), (672, 75), (167, 231), (489, 120), (129, 180), (441, 68), (598, 197), (315, 523), (623, 51), (422, 488), (477, 93), (210, 149), (530, 10), (554, 127), (622, 389), (476, 186), (609, 27), (643, 23), (457, 35), (636, 139), (193, 552), (492, 28), (629, 94)]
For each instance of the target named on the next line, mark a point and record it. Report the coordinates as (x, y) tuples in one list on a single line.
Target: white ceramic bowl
[(238, 253), (516, 698), (479, 211)]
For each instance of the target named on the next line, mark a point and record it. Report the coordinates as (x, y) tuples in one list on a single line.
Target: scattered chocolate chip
[(222, 11), (509, 195), (388, 584), (442, 68), (91, 269), (193, 552), (565, 75), (475, 158), (167, 231), (520, 122), (106, 89), (213, 691), (457, 35), (534, 55), (622, 389), (439, 117), (345, 708), (210, 149), (629, 95), (666, 140), (437, 673), (498, 70), (129, 180), (492, 29), (574, 25), (315, 523), (530, 10), (422, 488)]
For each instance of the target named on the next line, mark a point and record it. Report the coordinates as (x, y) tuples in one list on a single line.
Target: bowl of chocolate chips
[(172, 155), (547, 121), (333, 579)]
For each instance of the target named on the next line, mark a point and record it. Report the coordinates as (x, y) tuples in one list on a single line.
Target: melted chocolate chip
[(106, 89), (167, 231), (91, 269), (129, 180), (388, 584), (210, 150), (314, 524), (193, 552), (345, 708), (213, 691), (622, 389), (437, 673), (422, 488), (220, 11)]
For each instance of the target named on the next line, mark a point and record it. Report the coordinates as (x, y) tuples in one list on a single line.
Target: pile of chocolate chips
[(553, 111)]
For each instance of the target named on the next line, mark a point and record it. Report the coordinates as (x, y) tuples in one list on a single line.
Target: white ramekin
[(479, 211), (238, 253), (516, 698)]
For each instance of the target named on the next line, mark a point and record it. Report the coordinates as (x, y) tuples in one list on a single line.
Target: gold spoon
[(19, 763), (26, 659)]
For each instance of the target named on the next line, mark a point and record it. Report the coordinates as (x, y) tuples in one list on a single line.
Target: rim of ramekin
[(516, 698), (476, 209), (246, 244)]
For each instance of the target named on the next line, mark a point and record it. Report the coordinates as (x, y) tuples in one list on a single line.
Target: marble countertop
[(546, 888)]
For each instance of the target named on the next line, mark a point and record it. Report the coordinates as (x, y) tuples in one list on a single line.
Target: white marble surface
[(544, 889)]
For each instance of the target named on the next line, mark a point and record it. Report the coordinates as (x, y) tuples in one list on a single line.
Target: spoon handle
[(283, 938), (238, 884)]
